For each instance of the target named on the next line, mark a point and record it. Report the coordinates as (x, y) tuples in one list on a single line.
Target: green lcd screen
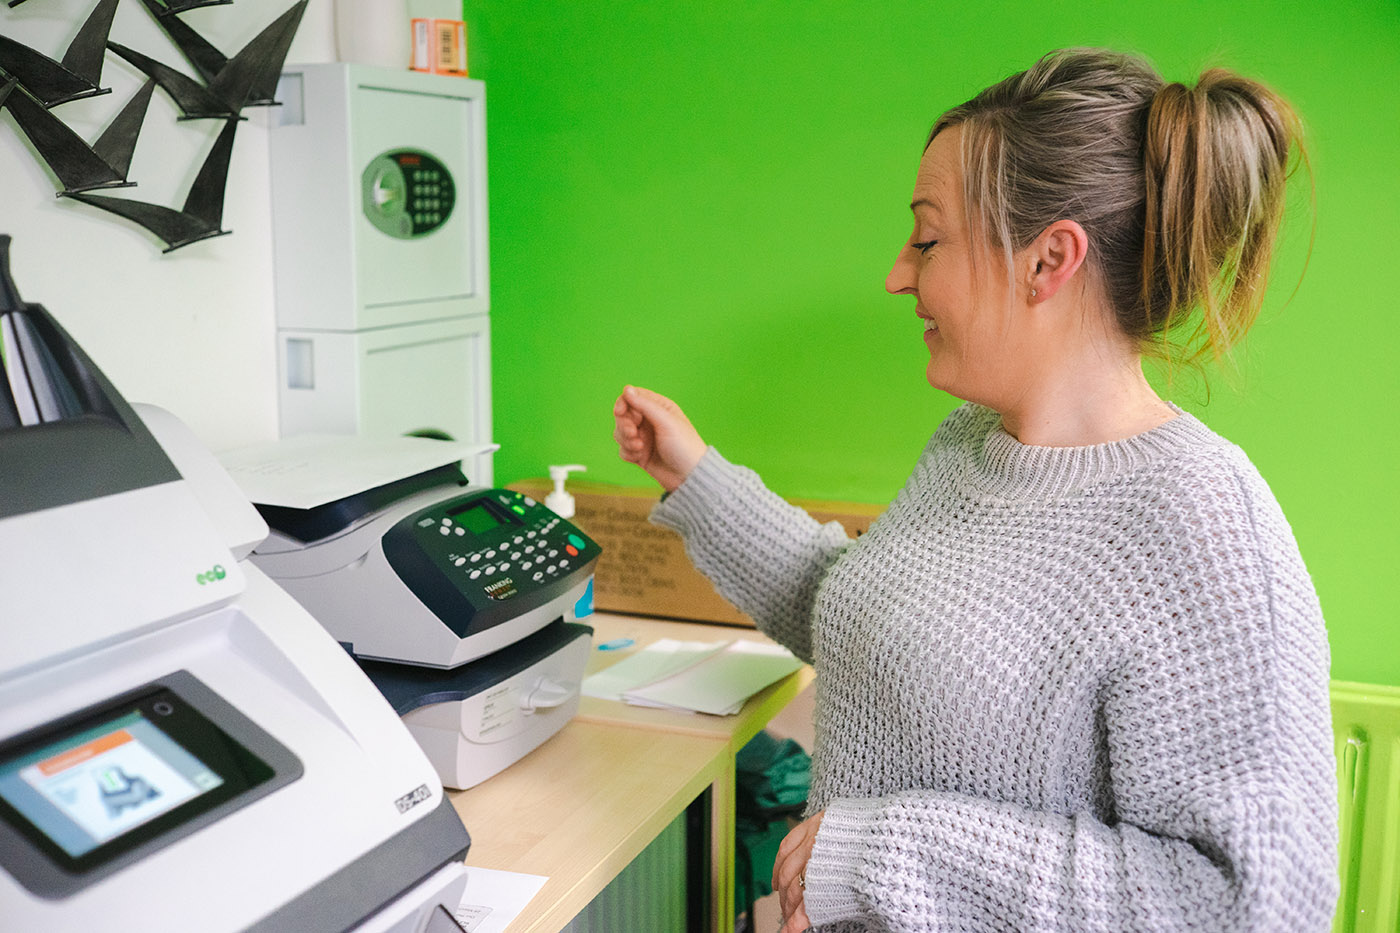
[(479, 518)]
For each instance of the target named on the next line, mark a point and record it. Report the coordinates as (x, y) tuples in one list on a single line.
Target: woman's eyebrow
[(925, 202)]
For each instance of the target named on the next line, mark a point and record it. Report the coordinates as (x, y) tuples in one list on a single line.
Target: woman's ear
[(1053, 258)]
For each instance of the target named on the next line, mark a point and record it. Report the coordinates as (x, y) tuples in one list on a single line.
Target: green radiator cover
[(1366, 720)]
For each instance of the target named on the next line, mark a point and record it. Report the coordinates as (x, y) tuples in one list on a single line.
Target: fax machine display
[(103, 783), (479, 517)]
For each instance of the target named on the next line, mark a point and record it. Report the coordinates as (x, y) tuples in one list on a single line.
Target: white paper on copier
[(308, 470)]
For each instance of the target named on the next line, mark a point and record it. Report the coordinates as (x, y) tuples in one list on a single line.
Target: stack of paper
[(694, 676), (308, 470)]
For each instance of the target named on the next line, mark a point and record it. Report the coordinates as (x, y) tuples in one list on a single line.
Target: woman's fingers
[(652, 432), (628, 431), (796, 922), (790, 869)]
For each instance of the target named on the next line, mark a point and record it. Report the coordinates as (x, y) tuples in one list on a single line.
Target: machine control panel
[(467, 556)]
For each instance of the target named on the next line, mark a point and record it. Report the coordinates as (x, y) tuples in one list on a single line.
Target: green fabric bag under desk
[(771, 779)]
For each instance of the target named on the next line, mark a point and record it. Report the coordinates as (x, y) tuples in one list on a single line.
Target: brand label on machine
[(502, 589)]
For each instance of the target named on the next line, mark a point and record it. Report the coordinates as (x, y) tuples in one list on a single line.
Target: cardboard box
[(644, 569)]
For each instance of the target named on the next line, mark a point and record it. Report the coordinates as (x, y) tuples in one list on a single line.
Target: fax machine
[(461, 603)]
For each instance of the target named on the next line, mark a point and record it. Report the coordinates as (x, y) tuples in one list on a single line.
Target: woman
[(1075, 678)]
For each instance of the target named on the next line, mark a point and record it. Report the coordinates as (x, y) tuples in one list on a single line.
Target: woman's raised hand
[(652, 432)]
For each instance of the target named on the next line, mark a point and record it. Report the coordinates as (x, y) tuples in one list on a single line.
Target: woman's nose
[(902, 277)]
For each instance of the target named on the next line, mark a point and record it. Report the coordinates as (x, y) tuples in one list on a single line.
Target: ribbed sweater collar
[(1012, 470)]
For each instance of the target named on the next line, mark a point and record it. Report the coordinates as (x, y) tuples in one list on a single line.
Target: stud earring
[(1032, 293)]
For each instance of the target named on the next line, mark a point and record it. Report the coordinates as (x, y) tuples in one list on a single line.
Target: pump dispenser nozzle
[(559, 501)]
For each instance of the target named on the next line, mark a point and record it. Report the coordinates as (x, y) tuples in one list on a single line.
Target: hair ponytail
[(1181, 190), (1216, 164)]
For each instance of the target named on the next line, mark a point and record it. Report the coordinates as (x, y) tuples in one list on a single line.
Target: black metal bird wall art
[(249, 79), (195, 100), (79, 167), (193, 5), (202, 215), (32, 84), (78, 75)]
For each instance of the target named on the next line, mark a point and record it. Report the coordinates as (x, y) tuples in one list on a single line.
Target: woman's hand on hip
[(790, 873)]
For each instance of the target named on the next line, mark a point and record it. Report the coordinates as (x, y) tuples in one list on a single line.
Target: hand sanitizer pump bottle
[(559, 501)]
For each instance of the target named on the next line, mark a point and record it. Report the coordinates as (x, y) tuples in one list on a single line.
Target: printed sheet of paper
[(693, 676), (720, 684), (656, 661), (308, 470), (493, 898)]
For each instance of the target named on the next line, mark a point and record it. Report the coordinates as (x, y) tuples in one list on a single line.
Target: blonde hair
[(1180, 190)]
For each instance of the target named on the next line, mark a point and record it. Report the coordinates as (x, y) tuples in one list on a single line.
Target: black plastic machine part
[(423, 559), (103, 446)]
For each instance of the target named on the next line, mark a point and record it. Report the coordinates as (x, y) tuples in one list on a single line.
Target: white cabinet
[(380, 254)]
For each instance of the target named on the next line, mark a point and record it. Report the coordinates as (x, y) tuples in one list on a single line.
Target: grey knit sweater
[(1072, 689)]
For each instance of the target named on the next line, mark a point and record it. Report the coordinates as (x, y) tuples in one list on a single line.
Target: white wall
[(192, 330)]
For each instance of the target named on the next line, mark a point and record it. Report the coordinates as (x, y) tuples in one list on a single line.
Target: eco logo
[(212, 575)]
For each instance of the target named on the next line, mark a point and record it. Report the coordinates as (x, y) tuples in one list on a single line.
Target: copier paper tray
[(476, 720)]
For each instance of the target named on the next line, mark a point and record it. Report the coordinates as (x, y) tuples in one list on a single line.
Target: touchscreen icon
[(121, 791), (117, 779)]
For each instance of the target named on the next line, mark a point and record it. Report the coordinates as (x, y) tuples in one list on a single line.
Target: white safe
[(380, 254)]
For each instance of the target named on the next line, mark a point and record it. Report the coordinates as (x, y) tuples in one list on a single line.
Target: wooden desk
[(580, 807)]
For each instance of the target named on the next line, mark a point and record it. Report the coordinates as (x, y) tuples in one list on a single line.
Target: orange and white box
[(440, 46)]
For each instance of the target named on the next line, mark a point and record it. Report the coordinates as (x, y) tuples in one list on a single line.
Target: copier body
[(182, 747)]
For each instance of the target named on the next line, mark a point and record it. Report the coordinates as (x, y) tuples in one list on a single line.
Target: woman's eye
[(925, 246)]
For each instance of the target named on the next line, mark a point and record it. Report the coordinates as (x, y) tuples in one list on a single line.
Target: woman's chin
[(937, 375)]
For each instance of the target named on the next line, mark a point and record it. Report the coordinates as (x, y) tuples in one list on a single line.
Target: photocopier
[(182, 745)]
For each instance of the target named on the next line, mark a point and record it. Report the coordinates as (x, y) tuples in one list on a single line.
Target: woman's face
[(977, 351)]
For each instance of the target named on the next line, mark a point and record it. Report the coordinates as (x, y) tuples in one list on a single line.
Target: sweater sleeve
[(766, 556), (1224, 796)]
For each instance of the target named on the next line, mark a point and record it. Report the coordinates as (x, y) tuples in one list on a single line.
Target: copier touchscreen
[(94, 788)]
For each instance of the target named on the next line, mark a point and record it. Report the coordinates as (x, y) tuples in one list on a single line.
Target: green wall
[(704, 198)]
